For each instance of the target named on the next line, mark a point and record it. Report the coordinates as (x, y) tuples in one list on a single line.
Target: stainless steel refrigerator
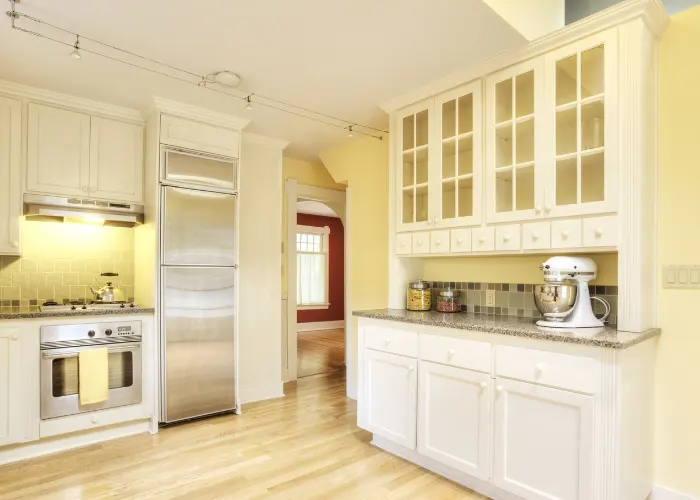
[(198, 301)]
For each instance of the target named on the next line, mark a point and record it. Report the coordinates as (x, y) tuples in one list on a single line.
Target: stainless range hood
[(42, 207)]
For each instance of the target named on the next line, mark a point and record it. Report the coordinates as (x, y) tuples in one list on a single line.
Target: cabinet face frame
[(610, 99), (473, 88), (535, 65), (427, 106), (13, 388), (10, 175)]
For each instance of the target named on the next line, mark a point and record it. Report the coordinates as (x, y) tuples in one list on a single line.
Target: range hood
[(41, 207)]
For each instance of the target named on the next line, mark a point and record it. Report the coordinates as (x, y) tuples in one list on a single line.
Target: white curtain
[(311, 278)]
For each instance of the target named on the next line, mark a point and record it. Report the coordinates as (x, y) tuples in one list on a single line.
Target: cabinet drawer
[(566, 233), (456, 352), (403, 342), (600, 231), (198, 136), (482, 239), (461, 240), (404, 243), (576, 373), (421, 243), (536, 235), (508, 237), (440, 241)]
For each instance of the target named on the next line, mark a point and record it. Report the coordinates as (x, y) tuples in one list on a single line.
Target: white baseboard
[(253, 393), (661, 493), (320, 325)]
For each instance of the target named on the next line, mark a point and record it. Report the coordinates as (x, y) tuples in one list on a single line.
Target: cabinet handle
[(506, 238), (94, 420), (14, 244), (459, 241), (535, 236), (411, 368), (499, 388), (538, 209), (436, 219), (419, 243), (14, 336), (598, 232), (85, 189), (483, 385), (450, 353), (565, 235), (437, 243), (387, 341), (482, 239), (539, 367), (547, 207), (402, 244)]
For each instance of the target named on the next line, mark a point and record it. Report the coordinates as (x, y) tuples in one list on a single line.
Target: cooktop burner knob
[(91, 333), (84, 307), (72, 308), (108, 332)]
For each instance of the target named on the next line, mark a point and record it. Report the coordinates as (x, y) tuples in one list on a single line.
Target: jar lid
[(419, 285), (449, 293)]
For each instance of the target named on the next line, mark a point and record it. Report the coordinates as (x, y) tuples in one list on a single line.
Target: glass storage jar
[(448, 301), (418, 296)]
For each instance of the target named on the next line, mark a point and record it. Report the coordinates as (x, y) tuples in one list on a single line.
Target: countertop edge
[(514, 331), (77, 314)]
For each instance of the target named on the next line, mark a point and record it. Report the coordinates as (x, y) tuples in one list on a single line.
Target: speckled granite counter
[(33, 312), (607, 336)]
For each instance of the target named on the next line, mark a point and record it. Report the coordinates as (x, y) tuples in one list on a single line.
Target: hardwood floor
[(305, 446), (320, 352)]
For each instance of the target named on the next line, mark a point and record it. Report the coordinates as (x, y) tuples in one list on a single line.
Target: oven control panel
[(90, 331)]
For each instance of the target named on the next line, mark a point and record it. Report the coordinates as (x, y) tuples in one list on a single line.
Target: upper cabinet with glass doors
[(583, 102), (515, 166), (415, 126)]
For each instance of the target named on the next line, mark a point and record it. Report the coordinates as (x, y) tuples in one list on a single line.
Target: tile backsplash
[(59, 261), (515, 299)]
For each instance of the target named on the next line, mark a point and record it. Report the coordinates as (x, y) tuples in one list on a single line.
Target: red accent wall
[(336, 270)]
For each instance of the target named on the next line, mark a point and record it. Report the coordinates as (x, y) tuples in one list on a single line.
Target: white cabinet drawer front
[(456, 352), (483, 239), (600, 231), (576, 373), (421, 243), (536, 235), (404, 243), (508, 237), (566, 233), (460, 240), (440, 241), (198, 136), (401, 342)]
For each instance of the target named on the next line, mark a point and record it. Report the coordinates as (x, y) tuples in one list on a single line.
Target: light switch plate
[(681, 276), (490, 298)]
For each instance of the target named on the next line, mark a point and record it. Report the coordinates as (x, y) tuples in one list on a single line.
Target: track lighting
[(76, 48), (350, 131), (249, 104)]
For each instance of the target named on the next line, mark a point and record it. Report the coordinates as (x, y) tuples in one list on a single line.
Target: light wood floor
[(305, 446), (320, 352)]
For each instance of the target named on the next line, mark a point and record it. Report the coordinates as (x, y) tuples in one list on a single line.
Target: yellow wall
[(678, 369), (59, 261), (363, 164)]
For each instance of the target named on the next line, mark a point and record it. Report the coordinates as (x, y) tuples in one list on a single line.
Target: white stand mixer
[(555, 304)]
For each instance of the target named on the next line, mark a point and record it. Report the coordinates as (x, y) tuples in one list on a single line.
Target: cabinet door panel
[(421, 243), (600, 231), (390, 396), (483, 239), (508, 237), (536, 236), (454, 417), (461, 240), (566, 233), (543, 442), (58, 151), (11, 387), (116, 160), (10, 180), (439, 241), (404, 244)]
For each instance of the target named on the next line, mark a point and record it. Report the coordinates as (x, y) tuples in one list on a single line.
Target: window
[(312, 267)]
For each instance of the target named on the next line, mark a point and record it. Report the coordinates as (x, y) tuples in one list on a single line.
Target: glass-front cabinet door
[(514, 160), (458, 154), (582, 103), (415, 125)]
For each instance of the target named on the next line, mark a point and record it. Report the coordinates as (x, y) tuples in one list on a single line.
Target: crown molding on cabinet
[(199, 114), (264, 140), (70, 101), (651, 11)]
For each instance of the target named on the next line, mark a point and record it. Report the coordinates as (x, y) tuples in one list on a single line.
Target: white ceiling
[(340, 58), (315, 208)]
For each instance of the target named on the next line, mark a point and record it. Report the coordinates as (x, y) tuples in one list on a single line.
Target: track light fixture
[(350, 134), (76, 48), (249, 104)]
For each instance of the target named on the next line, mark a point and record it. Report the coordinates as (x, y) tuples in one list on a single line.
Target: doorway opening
[(316, 306)]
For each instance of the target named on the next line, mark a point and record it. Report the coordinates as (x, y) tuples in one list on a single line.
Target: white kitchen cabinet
[(483, 239), (566, 233), (600, 231), (515, 164), (15, 385), (440, 241), (461, 240), (508, 237), (421, 243), (390, 395), (543, 442), (58, 151), (453, 417), (116, 160), (536, 235), (198, 136), (404, 244), (582, 101), (10, 175)]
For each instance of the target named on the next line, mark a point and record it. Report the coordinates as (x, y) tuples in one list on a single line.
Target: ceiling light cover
[(228, 78)]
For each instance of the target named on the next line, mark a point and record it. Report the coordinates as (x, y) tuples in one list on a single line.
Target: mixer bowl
[(555, 302)]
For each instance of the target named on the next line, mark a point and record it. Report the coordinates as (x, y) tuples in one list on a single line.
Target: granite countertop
[(607, 336), (33, 312)]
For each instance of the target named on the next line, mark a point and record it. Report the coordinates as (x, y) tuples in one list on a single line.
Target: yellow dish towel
[(93, 376)]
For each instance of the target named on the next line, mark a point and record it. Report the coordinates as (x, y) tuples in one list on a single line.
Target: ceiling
[(315, 208), (339, 58)]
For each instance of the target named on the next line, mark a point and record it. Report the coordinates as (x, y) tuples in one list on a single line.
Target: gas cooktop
[(85, 306)]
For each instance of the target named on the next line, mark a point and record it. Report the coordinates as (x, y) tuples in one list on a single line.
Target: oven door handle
[(50, 354)]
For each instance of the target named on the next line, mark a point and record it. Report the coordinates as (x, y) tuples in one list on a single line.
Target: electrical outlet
[(490, 298)]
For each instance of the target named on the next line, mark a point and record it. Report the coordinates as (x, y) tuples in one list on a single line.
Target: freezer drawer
[(199, 169), (198, 330), (199, 228)]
